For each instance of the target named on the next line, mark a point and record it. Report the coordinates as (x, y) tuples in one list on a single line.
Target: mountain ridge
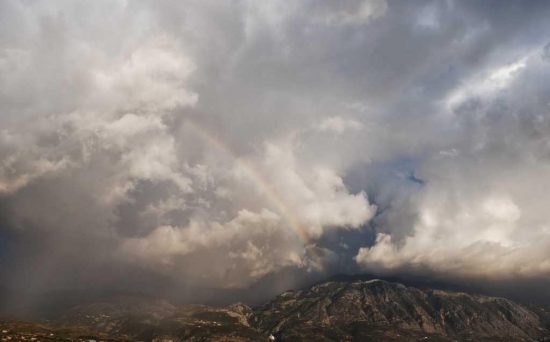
[(376, 302), (335, 310)]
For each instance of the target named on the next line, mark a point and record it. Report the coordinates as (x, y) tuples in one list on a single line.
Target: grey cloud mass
[(157, 146)]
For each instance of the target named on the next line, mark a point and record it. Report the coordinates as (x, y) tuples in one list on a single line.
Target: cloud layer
[(215, 144)]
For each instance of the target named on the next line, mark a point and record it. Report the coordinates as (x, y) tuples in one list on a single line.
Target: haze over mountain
[(219, 151)]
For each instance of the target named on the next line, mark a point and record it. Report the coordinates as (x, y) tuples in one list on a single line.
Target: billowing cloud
[(214, 144), (480, 211), (112, 132)]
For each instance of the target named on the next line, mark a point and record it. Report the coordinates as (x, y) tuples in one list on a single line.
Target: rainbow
[(266, 188)]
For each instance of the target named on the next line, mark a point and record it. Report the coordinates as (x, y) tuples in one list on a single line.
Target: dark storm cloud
[(201, 143)]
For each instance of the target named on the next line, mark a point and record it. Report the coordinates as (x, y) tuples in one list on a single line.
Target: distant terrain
[(358, 310)]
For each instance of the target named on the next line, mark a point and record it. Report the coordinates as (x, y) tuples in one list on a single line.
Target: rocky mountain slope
[(372, 310), (365, 310)]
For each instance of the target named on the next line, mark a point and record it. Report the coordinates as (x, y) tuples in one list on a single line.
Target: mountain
[(376, 309), (359, 310)]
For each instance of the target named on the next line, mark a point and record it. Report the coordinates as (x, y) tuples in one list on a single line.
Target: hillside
[(372, 310)]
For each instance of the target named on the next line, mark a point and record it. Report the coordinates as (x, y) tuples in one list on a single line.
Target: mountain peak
[(375, 308)]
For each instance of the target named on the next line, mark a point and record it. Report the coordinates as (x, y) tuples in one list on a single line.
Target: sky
[(168, 146)]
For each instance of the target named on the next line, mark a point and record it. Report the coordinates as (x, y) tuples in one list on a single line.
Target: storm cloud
[(214, 144)]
